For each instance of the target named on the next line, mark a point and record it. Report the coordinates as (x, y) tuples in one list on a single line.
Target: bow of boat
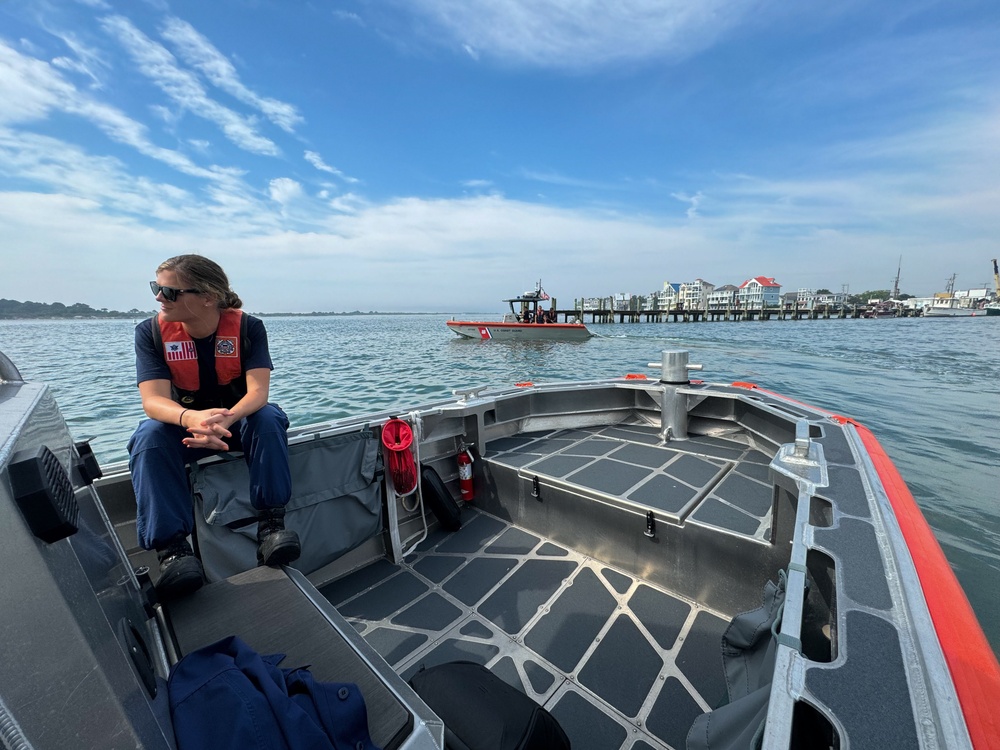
[(621, 530)]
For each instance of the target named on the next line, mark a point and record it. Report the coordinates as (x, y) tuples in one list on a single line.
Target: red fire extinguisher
[(465, 474)]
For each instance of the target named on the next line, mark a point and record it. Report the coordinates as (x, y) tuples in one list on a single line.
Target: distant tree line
[(861, 299), (11, 309)]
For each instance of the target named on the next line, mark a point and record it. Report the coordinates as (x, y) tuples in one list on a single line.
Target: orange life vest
[(181, 355)]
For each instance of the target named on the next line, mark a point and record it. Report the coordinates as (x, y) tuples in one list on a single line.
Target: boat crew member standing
[(204, 370)]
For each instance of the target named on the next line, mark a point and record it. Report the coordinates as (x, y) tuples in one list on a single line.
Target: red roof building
[(758, 292)]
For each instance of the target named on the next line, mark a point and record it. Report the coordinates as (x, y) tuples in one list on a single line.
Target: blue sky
[(443, 154)]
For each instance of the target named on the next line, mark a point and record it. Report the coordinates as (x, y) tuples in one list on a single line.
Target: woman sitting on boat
[(204, 372)]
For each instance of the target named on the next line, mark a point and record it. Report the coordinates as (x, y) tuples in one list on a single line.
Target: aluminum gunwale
[(929, 579)]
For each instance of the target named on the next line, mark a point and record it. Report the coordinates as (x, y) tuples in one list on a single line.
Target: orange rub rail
[(974, 669)]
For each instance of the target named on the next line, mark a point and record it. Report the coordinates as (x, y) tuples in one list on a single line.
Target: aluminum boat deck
[(620, 662), (597, 570)]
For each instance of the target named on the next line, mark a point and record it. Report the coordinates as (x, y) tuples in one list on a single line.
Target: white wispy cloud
[(225, 206), (201, 54), (348, 203), (918, 180), (828, 214), (74, 66), (32, 90), (86, 60), (121, 128), (344, 15), (414, 244), (584, 33), (692, 200), (158, 64), (921, 70), (317, 161), (104, 183), (30, 47), (284, 190), (556, 178), (96, 4), (29, 88)]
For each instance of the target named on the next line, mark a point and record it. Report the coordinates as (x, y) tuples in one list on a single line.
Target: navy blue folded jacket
[(226, 695)]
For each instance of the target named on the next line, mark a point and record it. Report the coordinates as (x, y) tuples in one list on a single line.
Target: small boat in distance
[(881, 310), (526, 321), (947, 305)]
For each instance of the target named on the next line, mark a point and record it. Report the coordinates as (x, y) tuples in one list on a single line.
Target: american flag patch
[(178, 351)]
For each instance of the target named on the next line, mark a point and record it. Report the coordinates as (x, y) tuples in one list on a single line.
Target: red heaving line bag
[(397, 436)]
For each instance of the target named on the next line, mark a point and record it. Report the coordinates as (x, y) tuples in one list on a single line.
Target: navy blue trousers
[(158, 461)]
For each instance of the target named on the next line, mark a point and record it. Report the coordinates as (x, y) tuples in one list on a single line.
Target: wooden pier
[(731, 314)]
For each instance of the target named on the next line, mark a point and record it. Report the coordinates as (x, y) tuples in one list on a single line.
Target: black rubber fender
[(436, 496)]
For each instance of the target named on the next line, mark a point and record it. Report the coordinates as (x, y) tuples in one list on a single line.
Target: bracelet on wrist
[(180, 419)]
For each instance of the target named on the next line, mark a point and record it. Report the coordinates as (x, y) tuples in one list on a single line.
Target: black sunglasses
[(169, 293)]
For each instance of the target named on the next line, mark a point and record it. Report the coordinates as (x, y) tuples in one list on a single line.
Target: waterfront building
[(809, 299), (693, 295), (916, 303), (623, 302), (972, 297), (805, 299), (666, 298), (722, 297), (643, 303), (759, 292), (834, 299)]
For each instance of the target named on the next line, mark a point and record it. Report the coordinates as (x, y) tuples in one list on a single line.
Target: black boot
[(180, 571), (275, 544)]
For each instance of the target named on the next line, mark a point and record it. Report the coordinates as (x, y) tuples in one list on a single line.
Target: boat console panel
[(80, 663)]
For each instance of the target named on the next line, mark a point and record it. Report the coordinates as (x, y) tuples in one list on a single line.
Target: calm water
[(929, 389)]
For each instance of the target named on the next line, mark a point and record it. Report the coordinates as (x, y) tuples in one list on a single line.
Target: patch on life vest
[(178, 351), (225, 346)]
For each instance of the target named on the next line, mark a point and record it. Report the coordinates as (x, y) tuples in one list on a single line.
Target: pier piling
[(608, 315)]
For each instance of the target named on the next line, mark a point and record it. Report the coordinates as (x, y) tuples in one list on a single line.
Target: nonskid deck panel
[(620, 663), (716, 482)]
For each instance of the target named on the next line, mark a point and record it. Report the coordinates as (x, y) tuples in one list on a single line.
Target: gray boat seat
[(334, 507), (258, 605)]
